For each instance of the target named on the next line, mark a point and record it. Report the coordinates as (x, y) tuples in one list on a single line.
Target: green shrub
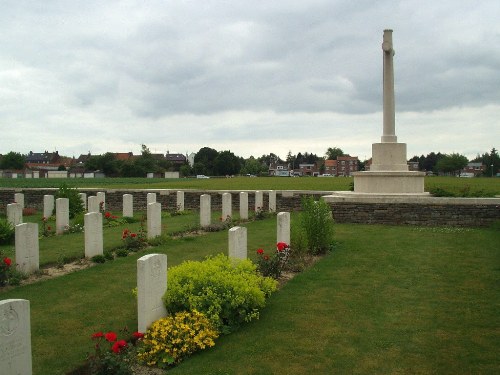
[(122, 253), (317, 221), (228, 291), (75, 202), (98, 259), (297, 261), (169, 340), (7, 232)]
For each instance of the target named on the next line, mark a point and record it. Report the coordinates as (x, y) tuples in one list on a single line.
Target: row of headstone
[(15, 325), (206, 206), (152, 272), (97, 203)]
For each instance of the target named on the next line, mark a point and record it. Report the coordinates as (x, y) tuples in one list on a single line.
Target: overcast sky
[(253, 77)]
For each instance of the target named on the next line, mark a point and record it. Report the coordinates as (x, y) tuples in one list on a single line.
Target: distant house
[(342, 166), (279, 170), (473, 169), (308, 169), (176, 158)]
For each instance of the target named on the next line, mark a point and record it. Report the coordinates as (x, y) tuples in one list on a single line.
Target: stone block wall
[(426, 211)]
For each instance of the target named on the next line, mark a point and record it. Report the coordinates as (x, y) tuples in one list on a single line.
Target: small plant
[(317, 222), (122, 253), (7, 232), (47, 229), (112, 220), (73, 228), (228, 291), (75, 201), (272, 265), (133, 241), (98, 259), (108, 255), (5, 270), (169, 340), (112, 356)]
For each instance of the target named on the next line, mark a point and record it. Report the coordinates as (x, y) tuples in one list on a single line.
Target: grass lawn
[(388, 300), (489, 186)]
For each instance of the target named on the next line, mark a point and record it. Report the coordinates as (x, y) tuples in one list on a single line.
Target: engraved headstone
[(205, 210), (27, 248), (128, 205), (93, 234), (227, 206), (62, 214), (19, 198), (237, 238), (101, 197), (180, 201), (244, 205), (151, 198), (259, 201), (14, 213), (283, 227), (93, 204), (272, 201), (154, 219), (151, 286), (15, 337), (48, 205)]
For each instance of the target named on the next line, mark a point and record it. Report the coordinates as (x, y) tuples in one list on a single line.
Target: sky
[(253, 77)]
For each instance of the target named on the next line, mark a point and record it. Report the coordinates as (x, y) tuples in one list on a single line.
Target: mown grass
[(387, 300), (487, 186)]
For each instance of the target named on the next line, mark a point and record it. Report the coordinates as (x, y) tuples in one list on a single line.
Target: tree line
[(211, 162)]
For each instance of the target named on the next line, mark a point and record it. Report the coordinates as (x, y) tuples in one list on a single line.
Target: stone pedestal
[(389, 182)]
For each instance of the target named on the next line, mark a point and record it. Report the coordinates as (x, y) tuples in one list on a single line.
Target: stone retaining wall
[(428, 211)]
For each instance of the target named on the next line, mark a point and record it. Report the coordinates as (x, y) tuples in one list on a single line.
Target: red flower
[(114, 217), (133, 235), (138, 335), (7, 261), (110, 336), (266, 257), (107, 215), (281, 246), (49, 227), (260, 251), (97, 335), (117, 346)]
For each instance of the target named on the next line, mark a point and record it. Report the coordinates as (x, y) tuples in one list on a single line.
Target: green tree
[(12, 160), (226, 163), (451, 163), (333, 152), (204, 161), (253, 166)]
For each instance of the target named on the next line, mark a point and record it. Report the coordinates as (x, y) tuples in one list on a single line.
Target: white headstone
[(62, 214), (15, 337), (272, 201), (154, 220), (27, 248), (83, 197), (93, 234), (14, 213), (180, 201), (93, 204), (101, 197), (19, 198), (244, 205), (227, 209), (48, 205), (237, 243), (151, 286), (205, 210), (283, 227), (151, 198), (128, 205), (259, 201)]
